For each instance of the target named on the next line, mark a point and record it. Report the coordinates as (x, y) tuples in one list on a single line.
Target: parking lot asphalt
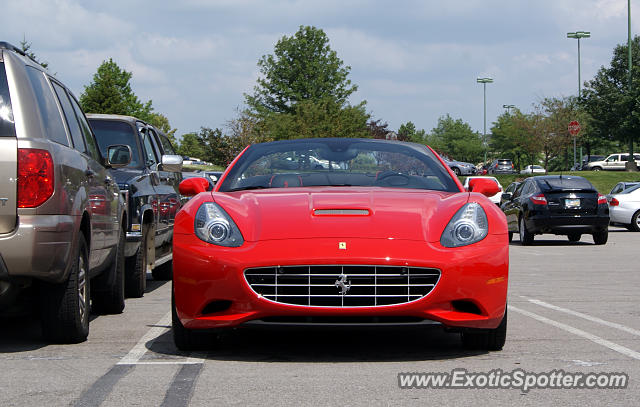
[(572, 307)]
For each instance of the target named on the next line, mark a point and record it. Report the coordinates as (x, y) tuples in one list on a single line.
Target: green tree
[(303, 91), (303, 67), (409, 132), (456, 139), (378, 129), (510, 140), (26, 48), (110, 93), (311, 118), (218, 148), (559, 113), (161, 122), (191, 146), (614, 108)]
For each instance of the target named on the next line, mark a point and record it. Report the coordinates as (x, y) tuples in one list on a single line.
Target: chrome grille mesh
[(323, 285)]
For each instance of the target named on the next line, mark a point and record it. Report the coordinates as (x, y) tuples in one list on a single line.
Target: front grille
[(342, 285)]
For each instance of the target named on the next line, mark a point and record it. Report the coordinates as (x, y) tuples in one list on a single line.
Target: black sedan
[(557, 204)]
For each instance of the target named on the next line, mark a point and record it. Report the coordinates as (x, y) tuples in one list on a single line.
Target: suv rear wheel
[(65, 306)]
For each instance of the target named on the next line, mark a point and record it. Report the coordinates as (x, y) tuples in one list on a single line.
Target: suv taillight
[(539, 199), (602, 200), (35, 177)]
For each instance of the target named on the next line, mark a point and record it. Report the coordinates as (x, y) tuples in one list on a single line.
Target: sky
[(411, 60)]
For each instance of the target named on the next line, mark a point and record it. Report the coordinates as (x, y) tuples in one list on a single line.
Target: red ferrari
[(340, 231)]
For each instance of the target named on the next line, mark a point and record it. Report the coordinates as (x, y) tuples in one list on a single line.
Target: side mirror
[(506, 196), (484, 186), (171, 163), (118, 155), (193, 186)]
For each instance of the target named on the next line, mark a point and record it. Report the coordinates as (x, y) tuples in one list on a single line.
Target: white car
[(533, 169), (496, 198), (624, 208), (614, 162)]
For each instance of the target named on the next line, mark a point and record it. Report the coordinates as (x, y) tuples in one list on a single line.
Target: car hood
[(124, 175), (341, 212)]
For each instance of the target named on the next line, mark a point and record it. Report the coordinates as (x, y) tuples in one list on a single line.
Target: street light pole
[(509, 107), (577, 35), (631, 164), (484, 82)]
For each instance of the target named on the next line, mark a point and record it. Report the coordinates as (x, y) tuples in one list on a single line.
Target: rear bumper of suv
[(39, 247), (564, 225)]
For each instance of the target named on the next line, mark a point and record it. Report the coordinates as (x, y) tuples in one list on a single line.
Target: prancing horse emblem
[(343, 284)]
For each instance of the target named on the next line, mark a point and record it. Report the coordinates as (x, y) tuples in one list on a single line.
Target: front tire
[(510, 236), (596, 169), (65, 306), (488, 339), (526, 237), (188, 339), (136, 270), (601, 237), (456, 171)]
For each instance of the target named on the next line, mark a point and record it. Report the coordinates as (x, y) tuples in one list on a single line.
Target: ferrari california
[(384, 233)]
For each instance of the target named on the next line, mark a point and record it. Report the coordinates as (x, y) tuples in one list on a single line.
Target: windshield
[(338, 162), (110, 132)]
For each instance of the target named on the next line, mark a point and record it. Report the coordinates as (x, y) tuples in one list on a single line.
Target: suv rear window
[(48, 107), (504, 162), (7, 126)]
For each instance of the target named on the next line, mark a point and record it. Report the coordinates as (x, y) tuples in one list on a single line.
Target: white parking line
[(584, 316), (152, 334), (593, 338), (138, 351)]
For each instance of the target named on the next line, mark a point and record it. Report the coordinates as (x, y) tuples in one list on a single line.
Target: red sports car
[(340, 231)]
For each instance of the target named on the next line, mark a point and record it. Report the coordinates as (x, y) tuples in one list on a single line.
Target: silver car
[(61, 213), (624, 208)]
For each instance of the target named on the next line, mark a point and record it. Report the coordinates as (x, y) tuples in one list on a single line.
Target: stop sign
[(574, 128)]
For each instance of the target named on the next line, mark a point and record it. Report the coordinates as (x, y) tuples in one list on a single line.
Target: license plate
[(572, 203)]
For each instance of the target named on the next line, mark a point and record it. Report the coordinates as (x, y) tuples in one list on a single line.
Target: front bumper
[(205, 273)]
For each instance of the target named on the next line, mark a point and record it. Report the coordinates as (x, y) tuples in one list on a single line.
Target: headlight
[(214, 225), (469, 225)]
